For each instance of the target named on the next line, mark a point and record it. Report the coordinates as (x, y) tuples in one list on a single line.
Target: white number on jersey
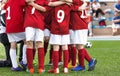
[(60, 16), (84, 14), (8, 17), (33, 10)]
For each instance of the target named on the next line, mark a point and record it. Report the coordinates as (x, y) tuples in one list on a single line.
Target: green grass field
[(107, 54)]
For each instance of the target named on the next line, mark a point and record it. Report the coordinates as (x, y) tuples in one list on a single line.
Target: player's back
[(60, 19), (14, 16)]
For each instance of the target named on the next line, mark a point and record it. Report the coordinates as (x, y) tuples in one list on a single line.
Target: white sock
[(24, 54), (13, 58)]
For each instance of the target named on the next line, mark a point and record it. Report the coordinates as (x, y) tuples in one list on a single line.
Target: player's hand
[(30, 1), (70, 4), (69, 1)]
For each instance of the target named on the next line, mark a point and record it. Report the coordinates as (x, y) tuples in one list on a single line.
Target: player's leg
[(60, 56), (73, 50), (39, 39), (46, 39), (79, 41), (55, 41), (13, 39), (23, 62), (30, 32), (65, 41)]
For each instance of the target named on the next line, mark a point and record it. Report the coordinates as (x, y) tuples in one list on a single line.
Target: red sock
[(50, 54), (60, 54), (66, 58), (70, 56), (87, 56), (55, 59), (73, 51), (29, 55), (34, 51), (81, 56), (45, 47), (41, 58)]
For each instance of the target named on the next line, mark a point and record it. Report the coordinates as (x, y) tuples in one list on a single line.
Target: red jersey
[(33, 17), (48, 18), (76, 21), (61, 19), (14, 16)]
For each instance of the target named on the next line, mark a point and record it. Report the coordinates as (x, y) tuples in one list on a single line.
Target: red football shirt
[(61, 19), (33, 17), (48, 18), (14, 16), (76, 21)]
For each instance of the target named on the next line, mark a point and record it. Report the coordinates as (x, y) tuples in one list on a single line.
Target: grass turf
[(106, 52)]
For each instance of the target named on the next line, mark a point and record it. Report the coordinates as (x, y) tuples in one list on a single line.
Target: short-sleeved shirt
[(14, 16), (117, 6), (61, 19), (33, 17), (76, 22), (115, 18)]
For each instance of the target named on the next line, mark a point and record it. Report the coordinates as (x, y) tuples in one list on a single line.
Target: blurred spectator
[(117, 6), (96, 8), (116, 22)]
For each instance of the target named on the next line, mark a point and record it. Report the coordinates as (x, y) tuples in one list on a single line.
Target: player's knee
[(39, 44), (29, 44)]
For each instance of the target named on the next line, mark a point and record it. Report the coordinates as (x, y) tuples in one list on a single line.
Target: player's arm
[(56, 3), (114, 21), (38, 7)]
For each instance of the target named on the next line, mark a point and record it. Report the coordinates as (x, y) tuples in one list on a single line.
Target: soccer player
[(80, 31), (34, 26), (15, 29), (48, 20), (60, 34)]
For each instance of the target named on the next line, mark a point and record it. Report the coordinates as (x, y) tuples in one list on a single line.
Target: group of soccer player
[(62, 24)]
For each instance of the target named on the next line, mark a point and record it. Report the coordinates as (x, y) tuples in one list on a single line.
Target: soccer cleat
[(65, 70), (23, 65), (55, 71), (17, 69), (92, 64), (31, 71), (41, 71), (78, 68)]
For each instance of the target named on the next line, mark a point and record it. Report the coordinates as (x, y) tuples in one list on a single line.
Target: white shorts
[(115, 25), (79, 36), (16, 37), (46, 32), (59, 39), (34, 34), (71, 36)]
